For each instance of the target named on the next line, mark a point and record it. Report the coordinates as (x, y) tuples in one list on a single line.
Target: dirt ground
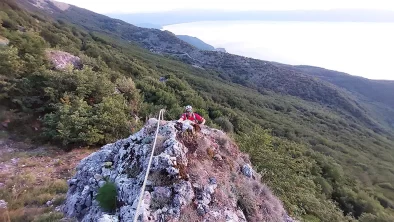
[(33, 179)]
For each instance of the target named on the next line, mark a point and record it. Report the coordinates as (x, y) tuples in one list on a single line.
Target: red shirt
[(192, 117)]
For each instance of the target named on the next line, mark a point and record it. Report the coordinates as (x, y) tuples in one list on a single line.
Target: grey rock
[(101, 183), (184, 193), (49, 203), (204, 196), (218, 157), (72, 182), (98, 177), (124, 163), (210, 189), (14, 161), (108, 218), (3, 204), (287, 218), (200, 210), (161, 195), (147, 140), (107, 164), (58, 208), (212, 180), (247, 170), (231, 216)]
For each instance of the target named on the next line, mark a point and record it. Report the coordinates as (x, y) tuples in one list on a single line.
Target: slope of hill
[(307, 117), (373, 90), (379, 93), (196, 42)]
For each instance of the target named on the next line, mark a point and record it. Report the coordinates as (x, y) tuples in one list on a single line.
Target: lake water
[(363, 49)]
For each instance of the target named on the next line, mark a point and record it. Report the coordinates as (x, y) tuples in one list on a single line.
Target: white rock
[(49, 203), (247, 170), (108, 218), (3, 204)]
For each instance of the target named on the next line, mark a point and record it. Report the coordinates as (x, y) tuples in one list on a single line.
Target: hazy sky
[(127, 6)]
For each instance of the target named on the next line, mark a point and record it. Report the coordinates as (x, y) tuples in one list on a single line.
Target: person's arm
[(181, 119), (200, 119)]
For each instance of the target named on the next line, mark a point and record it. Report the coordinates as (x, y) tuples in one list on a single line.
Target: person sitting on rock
[(193, 117)]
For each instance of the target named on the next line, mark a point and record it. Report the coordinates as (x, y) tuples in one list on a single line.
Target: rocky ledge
[(200, 177)]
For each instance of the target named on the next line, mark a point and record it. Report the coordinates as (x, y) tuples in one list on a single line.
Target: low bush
[(107, 196), (224, 124)]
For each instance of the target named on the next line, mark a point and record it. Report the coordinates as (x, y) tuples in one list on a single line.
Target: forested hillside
[(317, 146), (374, 90), (378, 94)]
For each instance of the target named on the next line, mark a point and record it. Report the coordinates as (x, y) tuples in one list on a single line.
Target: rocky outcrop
[(61, 60), (193, 177)]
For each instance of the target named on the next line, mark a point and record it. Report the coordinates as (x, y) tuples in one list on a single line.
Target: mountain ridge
[(371, 91)]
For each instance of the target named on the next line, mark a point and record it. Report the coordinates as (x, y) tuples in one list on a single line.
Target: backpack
[(193, 115)]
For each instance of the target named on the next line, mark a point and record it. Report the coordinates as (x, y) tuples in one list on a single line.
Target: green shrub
[(111, 118), (107, 196), (215, 114), (59, 200), (225, 124), (71, 123), (49, 217), (10, 63), (39, 199), (9, 24), (387, 186), (385, 202), (326, 187), (58, 186), (382, 217)]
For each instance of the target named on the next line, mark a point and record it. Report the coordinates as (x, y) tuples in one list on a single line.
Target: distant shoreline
[(358, 48)]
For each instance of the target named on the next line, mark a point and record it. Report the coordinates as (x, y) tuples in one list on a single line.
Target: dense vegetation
[(107, 197), (379, 93), (324, 162)]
